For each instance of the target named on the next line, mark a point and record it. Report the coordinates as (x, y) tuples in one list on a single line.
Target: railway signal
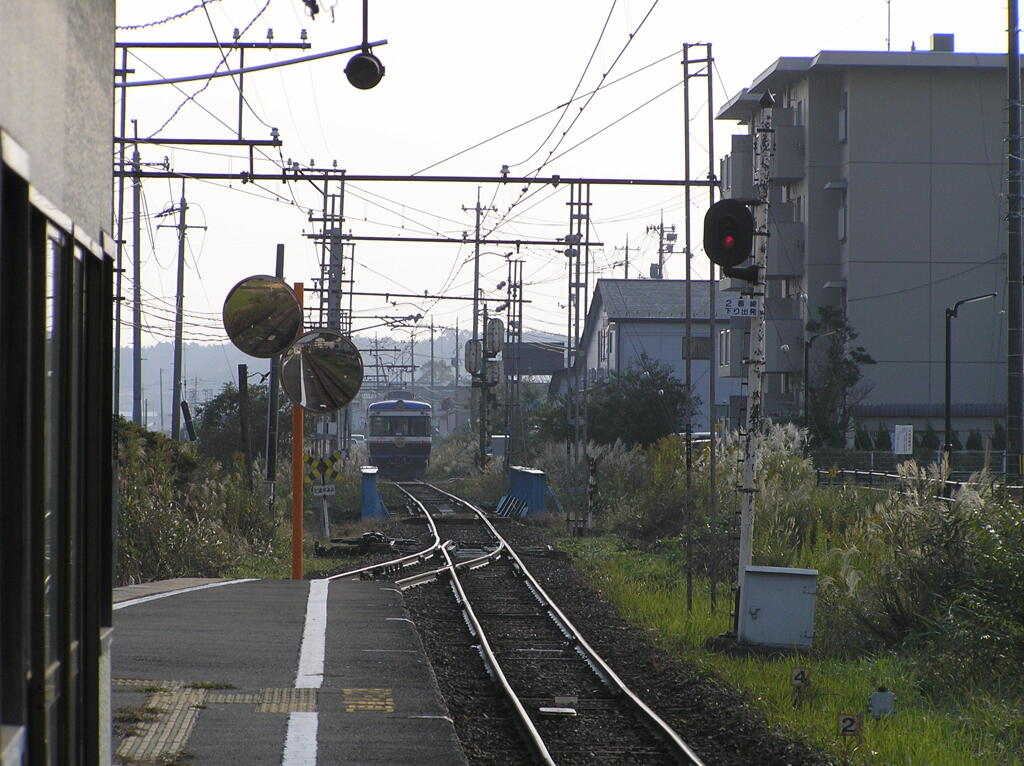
[(729, 238)]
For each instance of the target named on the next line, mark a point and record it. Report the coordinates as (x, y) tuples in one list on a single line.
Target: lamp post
[(947, 446), (807, 378)]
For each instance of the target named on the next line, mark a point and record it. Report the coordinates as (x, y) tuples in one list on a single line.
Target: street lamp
[(807, 379), (947, 446)]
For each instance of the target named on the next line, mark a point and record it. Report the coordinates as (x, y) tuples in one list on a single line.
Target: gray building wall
[(625, 339), (900, 213), (56, 75)]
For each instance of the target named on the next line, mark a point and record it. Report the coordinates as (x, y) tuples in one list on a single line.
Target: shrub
[(998, 436), (862, 440), (929, 439), (883, 439), (974, 441)]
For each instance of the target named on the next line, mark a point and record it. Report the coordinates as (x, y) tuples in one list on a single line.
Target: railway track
[(547, 687)]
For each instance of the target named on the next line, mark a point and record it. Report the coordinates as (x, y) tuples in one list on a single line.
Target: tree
[(862, 440), (443, 373), (218, 427), (837, 385), (998, 436), (974, 441), (638, 406), (929, 438), (883, 441)]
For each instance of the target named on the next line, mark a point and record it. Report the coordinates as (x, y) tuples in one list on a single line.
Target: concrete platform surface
[(276, 672)]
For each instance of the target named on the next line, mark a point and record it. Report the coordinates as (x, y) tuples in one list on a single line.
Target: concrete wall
[(923, 163), (56, 75)]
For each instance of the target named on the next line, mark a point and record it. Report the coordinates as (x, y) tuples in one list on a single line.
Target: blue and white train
[(399, 434)]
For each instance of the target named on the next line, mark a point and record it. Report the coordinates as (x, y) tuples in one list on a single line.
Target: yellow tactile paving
[(287, 701), (368, 700), (176, 706), (171, 729)]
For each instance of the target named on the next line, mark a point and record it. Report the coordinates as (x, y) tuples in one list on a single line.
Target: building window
[(700, 348), (841, 222)]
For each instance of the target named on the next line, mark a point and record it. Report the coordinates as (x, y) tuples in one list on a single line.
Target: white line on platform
[(300, 745), (155, 596), (300, 742), (314, 638)]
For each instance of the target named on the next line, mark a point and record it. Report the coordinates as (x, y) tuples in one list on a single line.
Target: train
[(399, 435)]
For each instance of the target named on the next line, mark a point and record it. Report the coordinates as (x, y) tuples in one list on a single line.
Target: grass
[(973, 729)]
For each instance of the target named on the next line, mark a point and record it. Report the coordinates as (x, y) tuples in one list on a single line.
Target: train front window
[(402, 425)]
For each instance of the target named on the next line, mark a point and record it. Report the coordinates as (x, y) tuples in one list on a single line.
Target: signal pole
[(764, 149)]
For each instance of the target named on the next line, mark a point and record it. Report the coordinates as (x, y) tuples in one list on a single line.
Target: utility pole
[(179, 314), (270, 477), (1014, 255), (431, 365), (455, 426), (478, 377), (666, 240), (511, 354), (243, 421), (412, 361), (161, 399), (764, 149), (688, 356), (626, 249), (577, 252), (137, 285), (713, 333)]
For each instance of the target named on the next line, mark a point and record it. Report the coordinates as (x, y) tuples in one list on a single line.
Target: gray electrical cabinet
[(777, 607)]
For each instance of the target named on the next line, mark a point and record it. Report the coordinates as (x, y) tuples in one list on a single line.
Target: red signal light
[(728, 241)]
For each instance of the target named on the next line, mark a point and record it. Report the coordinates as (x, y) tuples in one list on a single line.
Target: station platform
[(276, 672)]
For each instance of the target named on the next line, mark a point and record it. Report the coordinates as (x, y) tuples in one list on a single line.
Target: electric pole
[(666, 243), (478, 377), (136, 286), (626, 249), (1014, 255), (455, 398), (179, 314)]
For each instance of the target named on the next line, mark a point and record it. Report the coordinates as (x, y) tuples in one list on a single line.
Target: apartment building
[(887, 199)]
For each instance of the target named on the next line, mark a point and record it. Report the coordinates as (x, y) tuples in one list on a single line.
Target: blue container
[(530, 486), (372, 506)]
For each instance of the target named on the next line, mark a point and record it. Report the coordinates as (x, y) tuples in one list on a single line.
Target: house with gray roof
[(631, 317)]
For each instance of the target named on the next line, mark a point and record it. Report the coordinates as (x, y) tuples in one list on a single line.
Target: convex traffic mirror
[(262, 316), (322, 371)]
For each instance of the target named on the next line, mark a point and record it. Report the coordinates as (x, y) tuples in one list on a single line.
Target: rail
[(882, 481), (411, 559), (669, 735)]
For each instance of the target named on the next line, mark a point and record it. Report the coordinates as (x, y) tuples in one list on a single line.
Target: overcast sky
[(458, 73)]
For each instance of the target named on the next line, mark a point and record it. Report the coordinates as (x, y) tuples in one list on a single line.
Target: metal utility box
[(777, 607)]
